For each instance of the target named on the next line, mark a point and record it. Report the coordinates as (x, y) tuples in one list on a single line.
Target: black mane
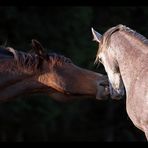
[(30, 61)]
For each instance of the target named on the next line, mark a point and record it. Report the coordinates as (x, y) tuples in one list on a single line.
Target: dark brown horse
[(24, 73), (124, 54)]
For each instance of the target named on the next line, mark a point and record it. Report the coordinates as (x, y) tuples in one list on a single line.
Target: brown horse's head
[(56, 75), (60, 73)]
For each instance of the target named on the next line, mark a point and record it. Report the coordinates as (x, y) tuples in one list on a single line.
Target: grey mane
[(120, 27)]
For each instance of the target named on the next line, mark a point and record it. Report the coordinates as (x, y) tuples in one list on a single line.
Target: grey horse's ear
[(96, 36), (38, 48)]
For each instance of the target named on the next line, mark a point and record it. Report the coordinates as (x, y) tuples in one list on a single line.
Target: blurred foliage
[(66, 30)]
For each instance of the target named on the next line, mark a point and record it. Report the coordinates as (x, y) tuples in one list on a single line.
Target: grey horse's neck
[(127, 54)]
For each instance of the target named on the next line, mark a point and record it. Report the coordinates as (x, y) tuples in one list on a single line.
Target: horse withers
[(124, 54), (38, 71)]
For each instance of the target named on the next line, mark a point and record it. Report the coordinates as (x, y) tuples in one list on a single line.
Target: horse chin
[(115, 95)]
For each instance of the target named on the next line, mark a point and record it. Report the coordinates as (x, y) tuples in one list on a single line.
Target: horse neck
[(14, 83), (127, 54), (10, 73)]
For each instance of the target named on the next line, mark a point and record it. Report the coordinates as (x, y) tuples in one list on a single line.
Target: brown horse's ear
[(13, 51), (96, 36), (39, 50)]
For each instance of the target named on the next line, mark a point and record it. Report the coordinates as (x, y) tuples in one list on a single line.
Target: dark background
[(66, 30)]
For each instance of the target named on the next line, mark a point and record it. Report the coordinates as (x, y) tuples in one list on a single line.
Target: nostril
[(104, 83), (102, 92)]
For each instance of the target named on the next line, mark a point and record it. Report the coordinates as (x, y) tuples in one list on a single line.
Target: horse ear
[(13, 51), (96, 36), (36, 45)]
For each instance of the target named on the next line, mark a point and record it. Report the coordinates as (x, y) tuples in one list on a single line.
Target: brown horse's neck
[(25, 86), (13, 82), (10, 73)]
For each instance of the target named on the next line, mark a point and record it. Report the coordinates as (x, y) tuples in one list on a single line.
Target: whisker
[(5, 43), (96, 61), (98, 64)]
